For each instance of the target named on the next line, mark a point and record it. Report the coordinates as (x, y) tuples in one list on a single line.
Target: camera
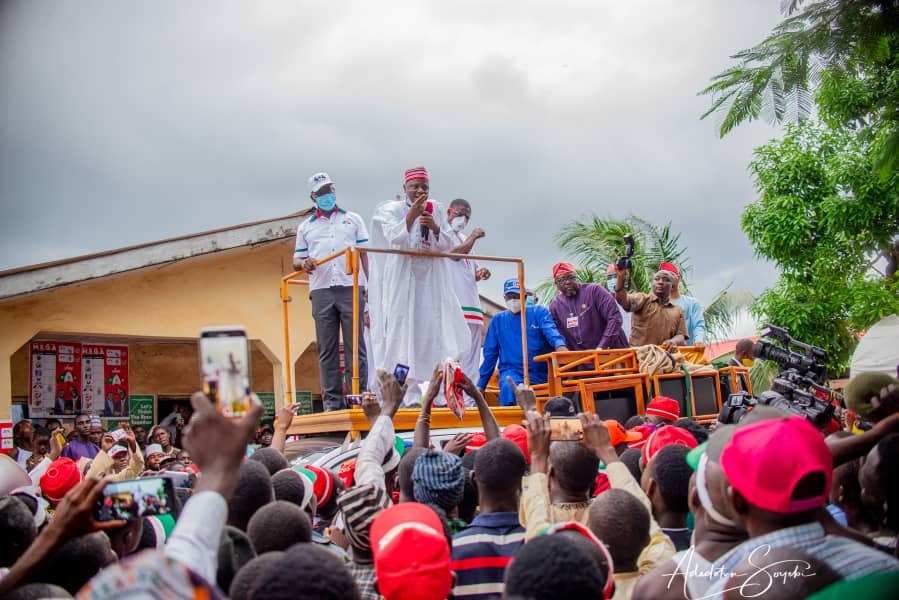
[(623, 263), (797, 389)]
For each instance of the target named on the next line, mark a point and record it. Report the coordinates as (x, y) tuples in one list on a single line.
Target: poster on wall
[(55, 378), (141, 409), (104, 369), (68, 377)]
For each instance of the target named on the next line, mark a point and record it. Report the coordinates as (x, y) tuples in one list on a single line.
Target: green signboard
[(142, 410), (304, 399), (268, 402)]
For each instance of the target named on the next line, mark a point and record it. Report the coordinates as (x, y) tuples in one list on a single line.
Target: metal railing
[(351, 258)]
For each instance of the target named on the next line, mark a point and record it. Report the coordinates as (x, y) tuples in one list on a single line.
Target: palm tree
[(594, 243), (828, 46)]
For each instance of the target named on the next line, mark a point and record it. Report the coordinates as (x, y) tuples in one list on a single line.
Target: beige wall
[(159, 312)]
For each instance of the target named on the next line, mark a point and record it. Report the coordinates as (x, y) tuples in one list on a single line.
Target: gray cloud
[(124, 122)]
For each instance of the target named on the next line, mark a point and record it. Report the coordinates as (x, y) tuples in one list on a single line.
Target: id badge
[(571, 322)]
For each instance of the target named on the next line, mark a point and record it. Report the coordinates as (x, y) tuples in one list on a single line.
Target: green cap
[(695, 454)]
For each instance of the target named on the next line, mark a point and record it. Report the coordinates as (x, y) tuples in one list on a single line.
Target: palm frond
[(722, 312)]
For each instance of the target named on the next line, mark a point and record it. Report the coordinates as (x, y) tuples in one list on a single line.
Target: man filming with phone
[(655, 319), (332, 229)]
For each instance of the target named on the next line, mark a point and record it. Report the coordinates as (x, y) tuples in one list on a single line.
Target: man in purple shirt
[(586, 314), (81, 445)]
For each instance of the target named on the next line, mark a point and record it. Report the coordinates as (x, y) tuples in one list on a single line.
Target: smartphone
[(118, 434), (401, 372), (136, 498), (225, 368), (566, 429)]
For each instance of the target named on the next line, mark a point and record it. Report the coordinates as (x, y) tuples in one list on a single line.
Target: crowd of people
[(657, 507), (402, 290)]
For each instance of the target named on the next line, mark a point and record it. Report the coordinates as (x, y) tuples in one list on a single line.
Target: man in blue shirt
[(503, 343)]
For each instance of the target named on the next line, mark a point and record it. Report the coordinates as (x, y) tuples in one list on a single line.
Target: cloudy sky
[(124, 122)]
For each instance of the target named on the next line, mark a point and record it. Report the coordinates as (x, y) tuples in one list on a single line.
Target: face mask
[(529, 301), (326, 202), (610, 284), (514, 306), (747, 362), (459, 223)]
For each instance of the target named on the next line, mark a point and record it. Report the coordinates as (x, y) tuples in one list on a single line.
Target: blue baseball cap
[(511, 287)]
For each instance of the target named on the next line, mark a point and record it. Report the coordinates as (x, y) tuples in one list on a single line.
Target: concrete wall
[(153, 307)]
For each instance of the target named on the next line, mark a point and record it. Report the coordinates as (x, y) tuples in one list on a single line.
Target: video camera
[(623, 263), (797, 389)]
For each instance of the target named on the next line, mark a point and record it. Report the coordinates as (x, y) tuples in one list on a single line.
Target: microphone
[(425, 231)]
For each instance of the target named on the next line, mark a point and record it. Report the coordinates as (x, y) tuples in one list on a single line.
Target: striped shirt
[(481, 553), (848, 558)]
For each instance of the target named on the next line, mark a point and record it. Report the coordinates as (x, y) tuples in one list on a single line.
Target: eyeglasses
[(566, 278)]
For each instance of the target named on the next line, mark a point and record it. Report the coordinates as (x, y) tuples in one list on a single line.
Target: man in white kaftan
[(416, 318)]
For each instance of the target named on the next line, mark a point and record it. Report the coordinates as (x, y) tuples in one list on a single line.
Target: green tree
[(594, 243), (841, 55), (824, 220)]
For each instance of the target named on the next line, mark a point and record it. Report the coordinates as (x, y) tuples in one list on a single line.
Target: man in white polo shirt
[(332, 229)]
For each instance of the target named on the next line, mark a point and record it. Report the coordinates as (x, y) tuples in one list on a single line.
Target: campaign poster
[(104, 370), (116, 382), (55, 378)]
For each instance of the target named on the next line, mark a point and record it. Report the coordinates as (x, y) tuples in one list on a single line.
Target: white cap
[(317, 181), (118, 449), (154, 449)]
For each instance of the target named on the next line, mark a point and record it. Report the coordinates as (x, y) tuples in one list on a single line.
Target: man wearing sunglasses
[(331, 229), (585, 313)]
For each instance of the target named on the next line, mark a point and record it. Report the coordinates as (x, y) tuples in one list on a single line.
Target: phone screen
[(225, 368), (136, 498), (401, 372), (566, 429)]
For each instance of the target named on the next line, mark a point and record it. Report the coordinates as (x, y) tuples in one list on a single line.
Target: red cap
[(61, 476), (518, 435), (477, 440), (411, 552), (644, 431), (667, 266), (602, 484), (562, 268), (665, 407), (766, 460), (665, 436), (323, 488), (619, 434), (415, 173)]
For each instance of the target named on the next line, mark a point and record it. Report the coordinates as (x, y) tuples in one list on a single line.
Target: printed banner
[(55, 378), (105, 376), (142, 412), (68, 377)]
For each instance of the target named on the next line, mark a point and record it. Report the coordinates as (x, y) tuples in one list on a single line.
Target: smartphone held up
[(225, 368), (566, 429), (135, 498)]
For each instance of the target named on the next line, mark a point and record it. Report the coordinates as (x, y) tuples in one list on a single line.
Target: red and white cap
[(416, 173)]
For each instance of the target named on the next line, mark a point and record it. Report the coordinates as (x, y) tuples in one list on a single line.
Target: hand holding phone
[(225, 368)]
